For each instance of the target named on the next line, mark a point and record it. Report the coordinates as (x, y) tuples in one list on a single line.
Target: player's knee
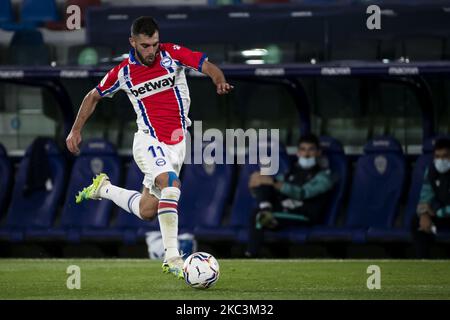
[(148, 211), (167, 179)]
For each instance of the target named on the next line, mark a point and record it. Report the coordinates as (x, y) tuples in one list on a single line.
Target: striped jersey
[(159, 93)]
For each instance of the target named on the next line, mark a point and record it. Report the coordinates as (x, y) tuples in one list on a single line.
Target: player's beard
[(147, 62)]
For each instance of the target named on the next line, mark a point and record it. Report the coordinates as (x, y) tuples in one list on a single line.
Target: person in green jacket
[(433, 210), (299, 197)]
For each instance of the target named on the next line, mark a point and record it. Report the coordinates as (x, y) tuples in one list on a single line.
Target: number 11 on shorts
[(153, 151)]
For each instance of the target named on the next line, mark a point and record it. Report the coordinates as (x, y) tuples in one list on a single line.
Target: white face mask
[(306, 163), (442, 165)]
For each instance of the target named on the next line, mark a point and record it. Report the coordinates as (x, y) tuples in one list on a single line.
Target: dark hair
[(442, 143), (309, 138), (144, 25)]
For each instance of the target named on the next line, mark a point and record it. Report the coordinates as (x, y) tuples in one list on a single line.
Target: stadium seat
[(403, 234), (377, 186), (31, 37), (5, 179), (78, 220), (27, 48), (128, 228), (200, 214), (38, 11), (243, 203), (205, 191), (336, 160), (37, 210), (6, 12), (33, 14)]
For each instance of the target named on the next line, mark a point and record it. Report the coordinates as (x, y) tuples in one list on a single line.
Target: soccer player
[(153, 78)]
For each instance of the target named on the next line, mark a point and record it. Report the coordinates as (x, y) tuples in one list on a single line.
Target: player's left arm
[(217, 76)]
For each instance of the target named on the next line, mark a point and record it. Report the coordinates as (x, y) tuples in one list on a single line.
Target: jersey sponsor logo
[(160, 162), (154, 86)]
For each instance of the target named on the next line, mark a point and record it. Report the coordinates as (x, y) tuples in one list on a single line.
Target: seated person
[(433, 210), (296, 198)]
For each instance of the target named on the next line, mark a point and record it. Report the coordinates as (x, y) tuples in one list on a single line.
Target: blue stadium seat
[(128, 228), (96, 156), (27, 47), (5, 179), (30, 37), (336, 160), (244, 203), (403, 234), (377, 186), (38, 11), (205, 191), (37, 210), (200, 214), (334, 152), (6, 12)]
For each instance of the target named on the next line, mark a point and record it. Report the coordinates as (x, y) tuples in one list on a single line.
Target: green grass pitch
[(239, 279)]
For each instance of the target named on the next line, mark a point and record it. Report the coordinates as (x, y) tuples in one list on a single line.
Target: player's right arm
[(86, 109), (109, 85)]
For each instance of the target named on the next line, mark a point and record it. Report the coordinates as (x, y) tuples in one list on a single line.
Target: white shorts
[(154, 157)]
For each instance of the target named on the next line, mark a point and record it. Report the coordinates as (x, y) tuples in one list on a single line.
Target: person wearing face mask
[(433, 210), (296, 198)]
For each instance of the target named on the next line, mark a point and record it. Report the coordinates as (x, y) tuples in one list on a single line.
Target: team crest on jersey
[(166, 62)]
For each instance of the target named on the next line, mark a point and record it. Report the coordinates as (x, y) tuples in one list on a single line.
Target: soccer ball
[(201, 270)]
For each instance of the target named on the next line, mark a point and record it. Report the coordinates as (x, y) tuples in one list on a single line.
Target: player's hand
[(73, 141), (224, 88)]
